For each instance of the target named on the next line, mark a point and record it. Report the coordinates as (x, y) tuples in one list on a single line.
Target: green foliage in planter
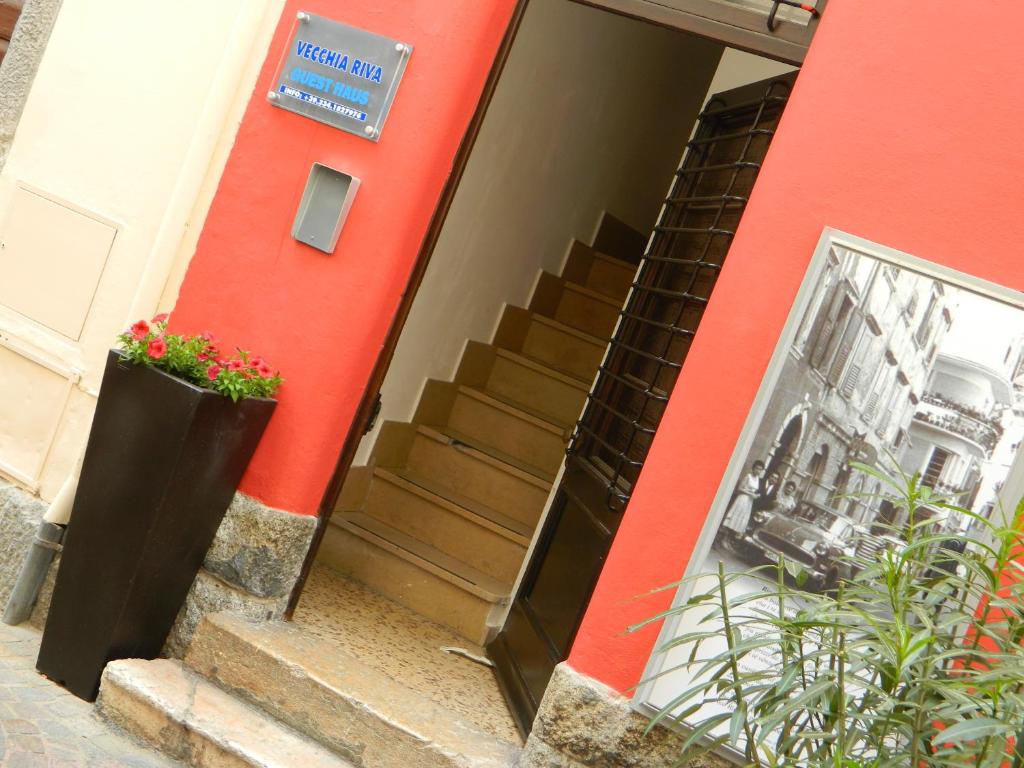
[(916, 660), (197, 360)]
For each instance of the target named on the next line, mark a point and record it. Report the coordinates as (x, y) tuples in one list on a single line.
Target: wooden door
[(676, 278)]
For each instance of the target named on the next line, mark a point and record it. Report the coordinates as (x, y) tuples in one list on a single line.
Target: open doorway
[(543, 259)]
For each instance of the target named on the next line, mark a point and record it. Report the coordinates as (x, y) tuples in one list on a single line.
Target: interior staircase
[(382, 666), (440, 518)]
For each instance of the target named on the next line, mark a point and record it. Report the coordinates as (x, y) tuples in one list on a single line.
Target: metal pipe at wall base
[(45, 546)]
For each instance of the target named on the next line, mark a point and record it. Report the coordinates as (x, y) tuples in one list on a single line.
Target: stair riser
[(544, 394), (499, 429), (563, 351), (144, 721), (587, 314), (301, 703), (480, 481), (407, 584), (445, 530), (610, 279)]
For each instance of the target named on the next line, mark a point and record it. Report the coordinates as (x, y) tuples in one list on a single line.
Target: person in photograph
[(768, 492), (785, 502), (737, 517)]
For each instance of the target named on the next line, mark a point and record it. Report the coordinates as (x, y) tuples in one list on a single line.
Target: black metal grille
[(676, 277)]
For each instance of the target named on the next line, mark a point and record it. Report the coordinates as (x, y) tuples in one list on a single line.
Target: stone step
[(416, 575), (460, 527), (476, 472), (563, 348), (319, 690), (510, 430), (192, 720), (538, 387), (587, 310)]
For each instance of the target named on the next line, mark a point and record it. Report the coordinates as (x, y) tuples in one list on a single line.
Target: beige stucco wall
[(591, 114), (122, 137)]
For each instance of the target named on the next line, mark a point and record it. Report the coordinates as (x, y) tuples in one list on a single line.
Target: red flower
[(256, 362), (264, 370), (202, 357), (236, 365), (161, 318), (140, 330), (157, 348), (213, 372)]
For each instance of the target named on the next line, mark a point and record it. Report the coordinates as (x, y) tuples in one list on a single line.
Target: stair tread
[(583, 336), (203, 709), (622, 264), (517, 531), (543, 368), (426, 556), (590, 293), (364, 689), (540, 476), (524, 412)]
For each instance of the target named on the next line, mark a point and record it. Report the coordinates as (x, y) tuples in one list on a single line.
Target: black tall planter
[(163, 461)]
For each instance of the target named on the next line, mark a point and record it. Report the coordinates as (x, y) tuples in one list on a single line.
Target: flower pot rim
[(189, 384)]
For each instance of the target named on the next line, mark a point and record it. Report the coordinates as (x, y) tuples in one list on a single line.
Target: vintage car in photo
[(819, 539)]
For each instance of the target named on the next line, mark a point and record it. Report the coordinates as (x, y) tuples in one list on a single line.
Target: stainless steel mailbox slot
[(324, 207)]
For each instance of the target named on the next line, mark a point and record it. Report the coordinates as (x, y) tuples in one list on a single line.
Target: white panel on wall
[(33, 400), (51, 260)]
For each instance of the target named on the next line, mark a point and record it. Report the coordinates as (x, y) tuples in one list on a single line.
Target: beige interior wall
[(591, 114), (121, 133), (740, 68)]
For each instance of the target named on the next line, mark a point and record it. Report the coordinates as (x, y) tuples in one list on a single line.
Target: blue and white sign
[(340, 75)]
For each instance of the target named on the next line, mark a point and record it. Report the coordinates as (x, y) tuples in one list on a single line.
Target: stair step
[(541, 477), (317, 688), (415, 574), (478, 475), (610, 276), (587, 310), (510, 528), (540, 388), (192, 720), (511, 431), (563, 348), (458, 526), (599, 272)]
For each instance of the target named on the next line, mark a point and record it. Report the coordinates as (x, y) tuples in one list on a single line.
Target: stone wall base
[(585, 724), (250, 569), (20, 515)]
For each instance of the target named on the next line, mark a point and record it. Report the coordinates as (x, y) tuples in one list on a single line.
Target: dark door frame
[(760, 44)]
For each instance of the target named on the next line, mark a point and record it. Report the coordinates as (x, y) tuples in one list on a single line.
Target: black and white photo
[(885, 359)]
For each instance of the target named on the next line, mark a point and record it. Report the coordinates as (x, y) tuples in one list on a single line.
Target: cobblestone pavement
[(44, 726)]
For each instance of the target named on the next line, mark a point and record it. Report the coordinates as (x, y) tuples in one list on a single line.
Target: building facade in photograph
[(473, 237), (852, 382)]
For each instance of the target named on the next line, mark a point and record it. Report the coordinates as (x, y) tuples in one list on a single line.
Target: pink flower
[(157, 348), (264, 370), (236, 365), (202, 357), (140, 330), (213, 372), (161, 318)]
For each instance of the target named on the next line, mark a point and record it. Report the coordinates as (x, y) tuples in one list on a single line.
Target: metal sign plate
[(340, 75)]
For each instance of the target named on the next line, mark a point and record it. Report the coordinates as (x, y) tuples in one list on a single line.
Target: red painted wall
[(322, 319), (903, 129)]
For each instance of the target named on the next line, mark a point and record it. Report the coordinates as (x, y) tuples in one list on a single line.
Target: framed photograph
[(884, 356)]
